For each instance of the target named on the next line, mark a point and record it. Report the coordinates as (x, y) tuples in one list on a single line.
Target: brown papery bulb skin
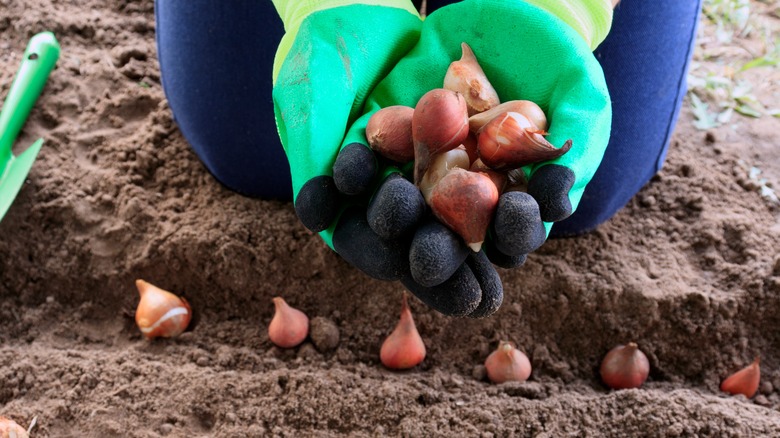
[(511, 140), (744, 381), (289, 327), (389, 133), (507, 364), (161, 314), (10, 429), (467, 77), (404, 348), (441, 164), (465, 202), (440, 122), (625, 367), (527, 108)]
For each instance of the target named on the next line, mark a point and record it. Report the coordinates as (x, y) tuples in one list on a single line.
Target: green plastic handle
[(39, 58)]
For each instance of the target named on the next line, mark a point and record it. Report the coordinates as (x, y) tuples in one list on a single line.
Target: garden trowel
[(37, 62)]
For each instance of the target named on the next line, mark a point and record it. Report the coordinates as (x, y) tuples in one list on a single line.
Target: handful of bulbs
[(467, 146)]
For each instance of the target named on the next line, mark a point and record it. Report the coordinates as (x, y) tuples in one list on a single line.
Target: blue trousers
[(216, 59)]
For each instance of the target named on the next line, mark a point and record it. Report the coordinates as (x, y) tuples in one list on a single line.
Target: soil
[(689, 270)]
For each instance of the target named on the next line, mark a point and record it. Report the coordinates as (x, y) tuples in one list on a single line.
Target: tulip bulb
[(440, 165), (465, 201), (389, 133), (161, 313), (744, 381), (507, 363), (466, 77), (511, 140), (440, 122), (404, 348), (289, 326), (10, 429), (624, 367), (525, 107)]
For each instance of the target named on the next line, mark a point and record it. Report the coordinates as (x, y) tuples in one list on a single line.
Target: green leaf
[(759, 62), (745, 110), (704, 119)]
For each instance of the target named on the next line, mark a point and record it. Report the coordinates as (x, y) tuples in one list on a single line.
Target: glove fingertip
[(317, 203), (378, 258), (354, 169), (550, 186), (489, 282), (436, 253), (458, 296), (502, 260), (396, 208), (517, 225)]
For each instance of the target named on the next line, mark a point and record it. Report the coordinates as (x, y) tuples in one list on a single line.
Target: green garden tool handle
[(38, 61)]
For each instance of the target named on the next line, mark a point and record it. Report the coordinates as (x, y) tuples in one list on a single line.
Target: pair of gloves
[(342, 60)]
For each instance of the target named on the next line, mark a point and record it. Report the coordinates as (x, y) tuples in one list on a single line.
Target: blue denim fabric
[(216, 59)]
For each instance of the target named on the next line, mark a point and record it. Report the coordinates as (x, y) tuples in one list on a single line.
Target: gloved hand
[(538, 50), (334, 52), (332, 55)]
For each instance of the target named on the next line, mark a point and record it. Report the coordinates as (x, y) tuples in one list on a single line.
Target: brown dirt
[(689, 270)]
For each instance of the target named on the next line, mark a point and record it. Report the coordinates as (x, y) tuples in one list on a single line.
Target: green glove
[(333, 54), (527, 53)]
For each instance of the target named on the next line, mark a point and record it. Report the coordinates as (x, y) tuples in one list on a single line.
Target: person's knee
[(216, 63)]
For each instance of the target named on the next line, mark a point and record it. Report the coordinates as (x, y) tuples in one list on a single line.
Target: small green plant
[(731, 17), (717, 86)]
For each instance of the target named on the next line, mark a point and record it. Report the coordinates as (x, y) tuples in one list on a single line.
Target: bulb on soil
[(624, 367), (744, 381), (161, 313), (404, 348), (507, 363), (10, 429), (289, 327)]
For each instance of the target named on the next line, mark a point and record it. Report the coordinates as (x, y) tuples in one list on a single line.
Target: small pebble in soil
[(344, 356), (766, 388), (324, 334), (307, 351), (166, 428), (647, 201), (761, 400), (479, 373), (776, 267), (456, 381), (231, 418)]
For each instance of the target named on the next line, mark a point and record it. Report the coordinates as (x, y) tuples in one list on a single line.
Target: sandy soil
[(689, 270)]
